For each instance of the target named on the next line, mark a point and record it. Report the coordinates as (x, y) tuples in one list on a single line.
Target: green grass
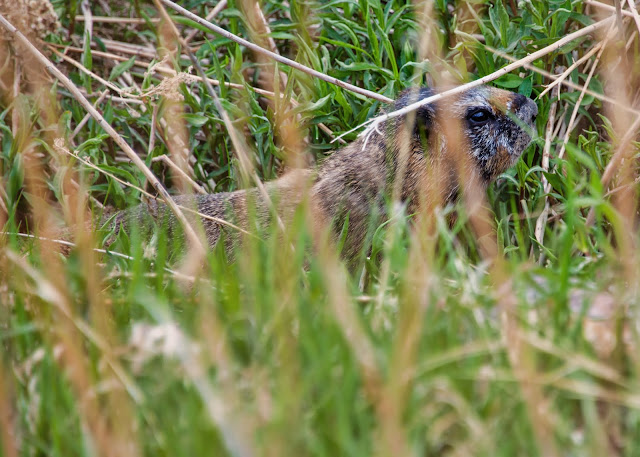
[(424, 349)]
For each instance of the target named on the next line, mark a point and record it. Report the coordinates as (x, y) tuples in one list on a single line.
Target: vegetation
[(506, 330)]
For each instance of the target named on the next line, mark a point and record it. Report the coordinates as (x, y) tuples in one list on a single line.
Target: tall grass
[(466, 332)]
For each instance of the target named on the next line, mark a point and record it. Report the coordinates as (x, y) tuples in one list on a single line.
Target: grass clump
[(516, 339)]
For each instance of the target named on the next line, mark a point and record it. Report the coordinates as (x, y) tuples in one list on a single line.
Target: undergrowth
[(280, 350)]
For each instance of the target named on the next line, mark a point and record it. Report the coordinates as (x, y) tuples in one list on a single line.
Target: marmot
[(353, 181)]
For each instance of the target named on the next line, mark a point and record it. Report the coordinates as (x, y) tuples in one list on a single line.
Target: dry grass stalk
[(634, 13), (569, 70), (275, 57), (395, 392), (130, 48), (152, 131), (625, 201), (574, 113), (117, 20), (17, 80), (88, 22), (546, 153), (273, 80), (167, 160), (246, 165), (84, 69), (222, 4), (111, 436), (175, 133), (567, 83), (87, 116), (604, 6), (191, 234), (374, 123), (62, 149)]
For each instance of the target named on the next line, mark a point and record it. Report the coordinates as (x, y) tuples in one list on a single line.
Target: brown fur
[(355, 180)]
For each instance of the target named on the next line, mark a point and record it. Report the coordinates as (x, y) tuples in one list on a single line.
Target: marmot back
[(487, 130)]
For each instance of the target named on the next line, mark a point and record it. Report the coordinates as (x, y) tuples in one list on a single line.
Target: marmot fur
[(489, 128)]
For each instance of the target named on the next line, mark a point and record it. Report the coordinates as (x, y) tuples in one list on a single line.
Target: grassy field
[(509, 330)]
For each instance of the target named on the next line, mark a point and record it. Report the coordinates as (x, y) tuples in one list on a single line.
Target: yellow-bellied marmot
[(352, 183)]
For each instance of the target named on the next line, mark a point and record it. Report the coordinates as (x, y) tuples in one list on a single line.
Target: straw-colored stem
[(222, 4), (274, 56), (191, 234), (375, 122)]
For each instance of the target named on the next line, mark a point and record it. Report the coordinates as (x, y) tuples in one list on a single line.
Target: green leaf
[(92, 143), (346, 45), (500, 20), (87, 60), (365, 66), (509, 81), (526, 87), (312, 107), (196, 120), (121, 68)]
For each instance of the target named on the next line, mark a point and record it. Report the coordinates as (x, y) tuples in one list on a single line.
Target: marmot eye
[(479, 116)]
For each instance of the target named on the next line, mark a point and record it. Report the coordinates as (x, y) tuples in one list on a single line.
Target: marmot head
[(494, 124)]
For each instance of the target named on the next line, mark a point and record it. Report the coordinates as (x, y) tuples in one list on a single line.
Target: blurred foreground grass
[(425, 349)]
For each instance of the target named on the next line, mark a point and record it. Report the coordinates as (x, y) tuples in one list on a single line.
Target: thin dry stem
[(546, 153), (246, 165), (152, 132), (604, 6), (613, 167), (108, 252), (116, 20), (175, 132), (60, 148), (568, 71), (568, 83), (88, 21), (87, 116), (165, 158), (17, 78), (634, 13), (84, 69), (191, 234), (222, 4), (375, 122), (130, 48), (574, 113), (277, 57)]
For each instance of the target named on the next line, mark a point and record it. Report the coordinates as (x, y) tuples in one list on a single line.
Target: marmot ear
[(424, 116)]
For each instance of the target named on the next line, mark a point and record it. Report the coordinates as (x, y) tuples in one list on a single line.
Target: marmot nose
[(525, 108)]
